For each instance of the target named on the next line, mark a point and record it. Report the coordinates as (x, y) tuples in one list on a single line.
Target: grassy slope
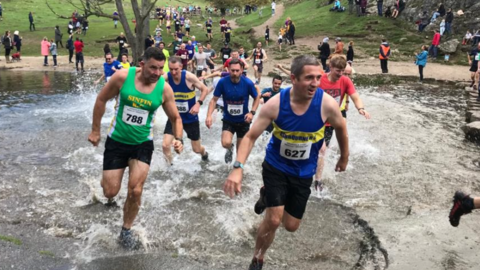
[(254, 19), (15, 14)]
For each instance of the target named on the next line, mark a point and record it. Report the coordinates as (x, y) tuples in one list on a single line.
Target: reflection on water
[(407, 154)]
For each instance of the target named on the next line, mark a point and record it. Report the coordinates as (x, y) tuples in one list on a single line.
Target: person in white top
[(273, 7)]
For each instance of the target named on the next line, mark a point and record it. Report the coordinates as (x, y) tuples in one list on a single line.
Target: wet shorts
[(329, 130), (192, 130), (117, 154), (240, 128), (285, 190), (259, 67), (474, 68)]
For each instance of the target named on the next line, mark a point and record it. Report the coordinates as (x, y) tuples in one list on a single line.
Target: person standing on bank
[(8, 45), (139, 93), (380, 7), (53, 51), (30, 19), (58, 36), (45, 50), (298, 115), (70, 48), (17, 40), (324, 49), (384, 55), (421, 60)]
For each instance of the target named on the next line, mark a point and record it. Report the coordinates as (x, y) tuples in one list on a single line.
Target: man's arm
[(110, 90), (203, 91), (284, 70), (171, 111), (333, 116), (100, 79), (359, 105), (265, 57), (211, 107), (268, 113), (256, 102)]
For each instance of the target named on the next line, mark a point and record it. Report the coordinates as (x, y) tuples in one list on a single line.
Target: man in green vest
[(139, 92)]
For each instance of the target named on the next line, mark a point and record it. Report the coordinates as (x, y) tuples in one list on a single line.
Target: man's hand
[(94, 138), (114, 69), (177, 146), (208, 122), (248, 117), (233, 184), (341, 164), (195, 109), (364, 113), (267, 94)]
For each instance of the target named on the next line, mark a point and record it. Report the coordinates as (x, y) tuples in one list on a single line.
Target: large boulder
[(472, 131), (449, 46)]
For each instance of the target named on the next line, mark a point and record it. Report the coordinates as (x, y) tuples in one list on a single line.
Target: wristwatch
[(200, 102), (252, 112), (237, 165)]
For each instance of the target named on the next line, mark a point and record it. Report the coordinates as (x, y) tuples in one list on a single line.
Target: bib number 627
[(295, 153)]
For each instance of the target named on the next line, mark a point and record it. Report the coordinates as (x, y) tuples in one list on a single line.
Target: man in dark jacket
[(70, 48), (58, 36), (291, 33), (324, 53), (7, 44), (359, 9), (448, 22), (384, 55), (30, 19)]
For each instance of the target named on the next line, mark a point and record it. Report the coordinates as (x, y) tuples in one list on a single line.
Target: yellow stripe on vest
[(184, 96), (298, 136)]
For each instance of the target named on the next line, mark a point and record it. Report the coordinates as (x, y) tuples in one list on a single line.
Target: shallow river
[(388, 209)]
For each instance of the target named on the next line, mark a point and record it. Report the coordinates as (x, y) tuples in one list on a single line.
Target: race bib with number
[(182, 107), (190, 51), (225, 56), (134, 116), (235, 110), (266, 34), (199, 67), (183, 56), (258, 61), (295, 151), (477, 57)]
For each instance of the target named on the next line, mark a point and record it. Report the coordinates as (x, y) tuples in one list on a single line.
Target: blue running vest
[(296, 140), (184, 98)]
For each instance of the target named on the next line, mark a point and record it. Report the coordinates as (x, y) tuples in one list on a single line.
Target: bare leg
[(266, 230), (137, 177), (227, 137), (111, 182), (321, 162), (198, 147), (167, 147)]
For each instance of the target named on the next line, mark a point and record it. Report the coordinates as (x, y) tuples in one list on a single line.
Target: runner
[(235, 55), (200, 60), (139, 93), (299, 115), (125, 63), (223, 26), (462, 204), (340, 88), (183, 53), (167, 55), (259, 56), (234, 90), (212, 55), (270, 92), (183, 84), (187, 26), (228, 33), (208, 26), (226, 51), (109, 68), (474, 67), (191, 50), (267, 35)]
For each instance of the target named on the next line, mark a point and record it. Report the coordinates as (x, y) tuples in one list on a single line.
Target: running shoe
[(462, 204), (260, 204), (127, 239), (111, 202), (229, 155), (205, 157), (256, 264), (318, 185)]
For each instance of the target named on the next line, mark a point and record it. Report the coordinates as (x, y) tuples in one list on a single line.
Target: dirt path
[(259, 31)]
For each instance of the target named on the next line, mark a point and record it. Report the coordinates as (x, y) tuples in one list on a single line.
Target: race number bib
[(182, 107), (477, 57), (183, 56), (108, 78), (266, 34), (199, 67), (295, 151), (235, 110), (258, 61), (134, 116), (190, 51), (177, 48), (225, 56)]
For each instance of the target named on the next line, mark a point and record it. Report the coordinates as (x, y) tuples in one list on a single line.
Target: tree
[(141, 11)]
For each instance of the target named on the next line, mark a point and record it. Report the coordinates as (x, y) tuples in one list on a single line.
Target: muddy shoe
[(462, 204), (128, 240), (111, 203), (229, 155), (260, 205), (205, 157), (256, 265)]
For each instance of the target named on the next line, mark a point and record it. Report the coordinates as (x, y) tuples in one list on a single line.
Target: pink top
[(45, 48)]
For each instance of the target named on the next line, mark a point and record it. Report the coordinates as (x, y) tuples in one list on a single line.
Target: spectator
[(421, 61), (441, 10), (274, 5), (32, 24), (53, 51), (336, 6), (363, 6), (401, 6), (449, 21), (384, 55), (58, 36), (45, 45), (7, 44), (149, 42), (70, 28), (1, 12), (338, 46), (380, 7), (70, 48), (115, 19), (291, 33), (357, 5), (388, 12), (17, 41), (423, 18), (78, 44), (84, 26), (435, 15), (467, 38), (395, 12), (442, 27), (324, 49), (433, 50), (350, 53)]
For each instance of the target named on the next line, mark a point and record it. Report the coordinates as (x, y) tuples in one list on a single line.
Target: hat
[(226, 43), (338, 39), (16, 32), (460, 12), (325, 40)]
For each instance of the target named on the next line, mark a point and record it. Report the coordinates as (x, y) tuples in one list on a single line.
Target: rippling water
[(411, 152)]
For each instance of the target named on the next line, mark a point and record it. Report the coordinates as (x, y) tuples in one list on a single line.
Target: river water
[(405, 163)]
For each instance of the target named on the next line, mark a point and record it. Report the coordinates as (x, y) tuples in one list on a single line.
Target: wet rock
[(474, 116), (449, 46), (472, 131)]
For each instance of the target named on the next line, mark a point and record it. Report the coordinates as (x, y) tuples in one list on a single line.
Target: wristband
[(252, 112), (180, 140)]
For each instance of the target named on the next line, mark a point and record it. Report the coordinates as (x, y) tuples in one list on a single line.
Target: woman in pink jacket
[(45, 50)]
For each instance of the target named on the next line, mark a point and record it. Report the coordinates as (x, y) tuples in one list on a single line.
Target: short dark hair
[(108, 53), (235, 62), (155, 53), (300, 61), (161, 42), (277, 77)]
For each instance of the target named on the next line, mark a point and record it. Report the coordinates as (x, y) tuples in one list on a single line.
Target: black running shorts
[(117, 154), (329, 130), (474, 68), (192, 130), (240, 128), (259, 67), (285, 190)]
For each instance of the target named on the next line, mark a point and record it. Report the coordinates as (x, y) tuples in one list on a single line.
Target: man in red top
[(235, 55), (223, 26), (432, 51), (183, 53), (78, 44), (339, 87)]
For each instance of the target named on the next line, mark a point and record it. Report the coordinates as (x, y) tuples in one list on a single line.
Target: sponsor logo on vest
[(139, 102)]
